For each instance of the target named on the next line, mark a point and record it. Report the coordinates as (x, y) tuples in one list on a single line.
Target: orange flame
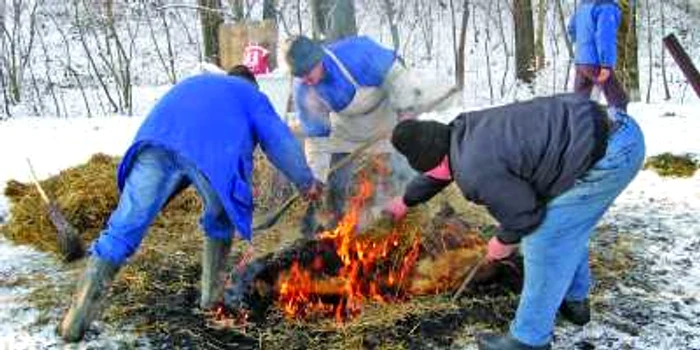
[(362, 277)]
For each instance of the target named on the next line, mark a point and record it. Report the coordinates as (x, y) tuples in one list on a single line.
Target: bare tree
[(270, 9), (333, 19), (524, 40), (167, 58), (17, 42), (109, 51), (487, 50), (67, 63), (210, 18), (650, 51), (426, 24), (460, 56), (393, 26), (504, 42), (667, 93), (627, 62), (539, 38), (3, 46)]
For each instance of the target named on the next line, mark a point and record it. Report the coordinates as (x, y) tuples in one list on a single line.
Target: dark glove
[(314, 192)]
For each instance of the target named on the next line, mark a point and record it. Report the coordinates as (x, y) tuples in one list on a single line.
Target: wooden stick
[(69, 242), (35, 180), (269, 220), (469, 278)]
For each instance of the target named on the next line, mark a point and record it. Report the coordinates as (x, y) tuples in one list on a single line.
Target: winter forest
[(78, 78), (70, 59)]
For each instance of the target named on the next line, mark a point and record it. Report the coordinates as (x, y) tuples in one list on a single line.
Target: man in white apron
[(348, 93)]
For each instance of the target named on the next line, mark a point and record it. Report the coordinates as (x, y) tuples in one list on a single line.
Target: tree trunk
[(270, 15), (524, 40), (238, 9), (539, 41), (333, 19), (627, 55), (270, 10), (391, 17), (461, 57), (3, 85), (650, 51), (562, 24), (667, 93), (210, 17)]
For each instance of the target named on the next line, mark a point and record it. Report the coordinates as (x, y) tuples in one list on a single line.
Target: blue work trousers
[(156, 176), (556, 253)]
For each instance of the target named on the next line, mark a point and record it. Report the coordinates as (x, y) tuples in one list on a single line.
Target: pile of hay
[(667, 164), (157, 293)]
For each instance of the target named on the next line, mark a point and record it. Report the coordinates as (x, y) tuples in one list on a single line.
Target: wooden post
[(683, 61)]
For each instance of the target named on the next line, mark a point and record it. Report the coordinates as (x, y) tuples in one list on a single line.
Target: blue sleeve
[(379, 60), (367, 60), (279, 144), (571, 27), (608, 21), (312, 113)]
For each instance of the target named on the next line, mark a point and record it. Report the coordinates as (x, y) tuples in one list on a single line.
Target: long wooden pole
[(69, 243), (683, 61)]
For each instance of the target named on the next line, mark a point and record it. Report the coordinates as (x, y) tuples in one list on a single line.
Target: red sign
[(257, 59)]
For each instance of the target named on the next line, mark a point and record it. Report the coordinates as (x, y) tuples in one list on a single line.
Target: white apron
[(368, 114)]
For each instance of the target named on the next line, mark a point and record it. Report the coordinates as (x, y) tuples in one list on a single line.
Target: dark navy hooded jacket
[(593, 29), (216, 121)]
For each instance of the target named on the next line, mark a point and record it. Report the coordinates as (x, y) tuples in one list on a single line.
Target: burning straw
[(157, 292)]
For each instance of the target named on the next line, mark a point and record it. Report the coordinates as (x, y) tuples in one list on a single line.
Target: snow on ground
[(659, 299), (655, 306)]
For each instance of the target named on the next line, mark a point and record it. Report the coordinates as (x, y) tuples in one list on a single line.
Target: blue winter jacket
[(367, 61), (593, 28), (216, 121)]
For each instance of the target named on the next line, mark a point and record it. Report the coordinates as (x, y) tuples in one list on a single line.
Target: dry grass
[(157, 292), (671, 165)]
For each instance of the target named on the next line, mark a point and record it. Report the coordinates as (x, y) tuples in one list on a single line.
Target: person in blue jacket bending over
[(593, 28), (347, 93), (203, 133)]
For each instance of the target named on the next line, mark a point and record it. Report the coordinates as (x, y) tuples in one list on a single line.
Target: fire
[(367, 270)]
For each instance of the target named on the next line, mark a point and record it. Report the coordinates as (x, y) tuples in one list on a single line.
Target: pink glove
[(498, 250), (396, 208)]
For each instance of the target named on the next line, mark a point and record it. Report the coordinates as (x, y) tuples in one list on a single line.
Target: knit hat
[(244, 72), (423, 143), (303, 55)]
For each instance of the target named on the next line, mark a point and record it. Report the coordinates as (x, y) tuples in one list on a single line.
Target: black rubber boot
[(88, 299), (576, 312), (492, 341), (214, 257)]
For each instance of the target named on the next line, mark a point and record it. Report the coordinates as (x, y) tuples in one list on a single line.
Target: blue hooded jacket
[(367, 61), (593, 28), (216, 121)]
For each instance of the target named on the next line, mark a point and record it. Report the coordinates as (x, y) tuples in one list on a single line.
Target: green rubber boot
[(88, 299), (214, 258)]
